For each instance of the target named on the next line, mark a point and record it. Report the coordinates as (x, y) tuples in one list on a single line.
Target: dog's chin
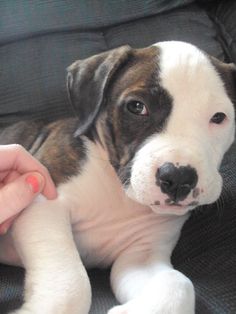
[(177, 210), (161, 208)]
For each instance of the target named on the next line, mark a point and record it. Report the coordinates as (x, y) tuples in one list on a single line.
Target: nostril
[(184, 189), (166, 174), (177, 182), (166, 185)]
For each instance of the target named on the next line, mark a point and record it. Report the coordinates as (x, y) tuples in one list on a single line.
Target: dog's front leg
[(150, 287), (56, 280), (144, 280)]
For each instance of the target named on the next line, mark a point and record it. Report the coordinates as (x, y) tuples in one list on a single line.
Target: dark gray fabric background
[(52, 34), (39, 39)]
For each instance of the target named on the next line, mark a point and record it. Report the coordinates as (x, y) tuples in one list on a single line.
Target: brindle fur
[(99, 88), (53, 144), (100, 102)]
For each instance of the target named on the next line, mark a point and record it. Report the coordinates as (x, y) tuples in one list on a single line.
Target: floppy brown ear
[(233, 71), (88, 80), (230, 80), (227, 72)]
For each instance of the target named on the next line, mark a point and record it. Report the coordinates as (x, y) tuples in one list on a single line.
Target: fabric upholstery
[(39, 39), (34, 65)]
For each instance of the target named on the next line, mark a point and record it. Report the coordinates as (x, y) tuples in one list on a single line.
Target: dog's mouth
[(173, 207)]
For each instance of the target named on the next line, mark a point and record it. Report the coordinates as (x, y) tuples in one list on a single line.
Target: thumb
[(19, 193)]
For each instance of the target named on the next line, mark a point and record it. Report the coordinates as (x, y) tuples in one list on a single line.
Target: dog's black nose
[(176, 182)]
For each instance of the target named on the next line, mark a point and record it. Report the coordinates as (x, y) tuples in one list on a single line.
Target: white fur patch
[(93, 221), (188, 138)]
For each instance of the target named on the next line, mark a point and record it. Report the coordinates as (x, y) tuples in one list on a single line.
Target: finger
[(8, 176), (6, 225), (15, 157), (49, 190), (11, 175), (18, 194)]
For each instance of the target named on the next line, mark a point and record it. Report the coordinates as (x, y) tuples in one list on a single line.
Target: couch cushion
[(27, 18), (38, 40), (33, 68), (224, 17), (190, 24), (206, 251)]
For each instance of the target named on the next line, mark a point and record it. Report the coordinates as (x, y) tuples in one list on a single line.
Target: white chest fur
[(105, 221)]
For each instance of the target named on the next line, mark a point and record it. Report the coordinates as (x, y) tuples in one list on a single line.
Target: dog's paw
[(25, 310), (132, 308), (173, 293), (180, 302), (21, 311), (117, 310), (123, 309)]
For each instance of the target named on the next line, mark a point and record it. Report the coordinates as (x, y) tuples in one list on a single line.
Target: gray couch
[(39, 39)]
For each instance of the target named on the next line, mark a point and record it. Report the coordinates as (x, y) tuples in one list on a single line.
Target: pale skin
[(22, 178)]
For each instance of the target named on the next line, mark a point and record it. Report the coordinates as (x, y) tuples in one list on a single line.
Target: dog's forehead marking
[(185, 69), (191, 79), (140, 71), (139, 79)]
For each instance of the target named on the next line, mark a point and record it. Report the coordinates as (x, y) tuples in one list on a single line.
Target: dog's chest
[(103, 237), (105, 221)]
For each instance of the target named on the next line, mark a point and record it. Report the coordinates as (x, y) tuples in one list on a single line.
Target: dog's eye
[(218, 118), (137, 107)]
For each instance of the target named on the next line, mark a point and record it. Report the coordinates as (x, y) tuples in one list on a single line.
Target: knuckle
[(19, 197), (17, 148), (9, 204), (45, 170), (22, 195)]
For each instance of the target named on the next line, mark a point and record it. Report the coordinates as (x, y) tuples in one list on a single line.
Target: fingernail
[(3, 230), (34, 183)]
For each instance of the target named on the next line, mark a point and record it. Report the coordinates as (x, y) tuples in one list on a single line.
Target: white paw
[(177, 298), (25, 309), (132, 308), (21, 311), (117, 310), (124, 309)]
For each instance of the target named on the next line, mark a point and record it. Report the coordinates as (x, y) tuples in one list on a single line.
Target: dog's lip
[(175, 208), (170, 206), (174, 205), (170, 210)]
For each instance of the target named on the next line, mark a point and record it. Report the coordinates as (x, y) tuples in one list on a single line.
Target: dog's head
[(165, 114)]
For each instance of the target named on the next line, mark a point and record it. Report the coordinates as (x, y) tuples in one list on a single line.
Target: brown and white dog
[(153, 125)]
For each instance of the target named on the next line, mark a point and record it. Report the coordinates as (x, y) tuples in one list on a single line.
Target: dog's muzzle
[(176, 182)]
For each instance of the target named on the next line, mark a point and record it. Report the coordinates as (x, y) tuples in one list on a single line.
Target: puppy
[(151, 130)]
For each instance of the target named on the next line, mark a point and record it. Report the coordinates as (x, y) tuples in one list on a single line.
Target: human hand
[(22, 178)]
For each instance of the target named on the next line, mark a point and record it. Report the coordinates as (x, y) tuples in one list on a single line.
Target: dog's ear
[(88, 80), (227, 72), (233, 79), (229, 77)]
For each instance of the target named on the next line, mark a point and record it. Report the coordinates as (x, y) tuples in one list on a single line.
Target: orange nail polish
[(34, 183)]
